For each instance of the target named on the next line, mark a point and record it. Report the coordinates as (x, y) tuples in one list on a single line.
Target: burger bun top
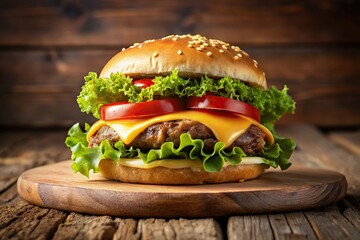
[(192, 55)]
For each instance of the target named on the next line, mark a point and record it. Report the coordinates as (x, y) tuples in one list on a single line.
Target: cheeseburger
[(184, 109)]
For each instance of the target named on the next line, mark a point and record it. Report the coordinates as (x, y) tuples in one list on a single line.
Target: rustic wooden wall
[(46, 47)]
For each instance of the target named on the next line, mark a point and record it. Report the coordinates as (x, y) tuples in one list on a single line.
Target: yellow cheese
[(168, 163), (178, 163), (226, 126)]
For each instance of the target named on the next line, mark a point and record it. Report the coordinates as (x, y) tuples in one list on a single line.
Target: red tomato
[(220, 103), (121, 110), (143, 83)]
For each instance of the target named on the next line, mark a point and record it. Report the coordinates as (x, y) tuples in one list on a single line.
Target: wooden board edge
[(124, 204), (29, 190)]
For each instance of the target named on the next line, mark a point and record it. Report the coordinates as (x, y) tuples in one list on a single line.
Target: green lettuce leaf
[(86, 159), (272, 103), (194, 149), (98, 91)]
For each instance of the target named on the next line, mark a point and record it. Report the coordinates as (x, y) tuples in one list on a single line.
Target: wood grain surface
[(46, 48), (104, 23), (25, 149), (48, 79), (55, 186)]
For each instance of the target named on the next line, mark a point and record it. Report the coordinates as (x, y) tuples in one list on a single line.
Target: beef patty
[(251, 142)]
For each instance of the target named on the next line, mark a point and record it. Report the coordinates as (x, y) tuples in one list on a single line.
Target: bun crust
[(191, 55), (178, 176)]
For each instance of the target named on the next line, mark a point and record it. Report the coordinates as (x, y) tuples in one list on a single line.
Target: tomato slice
[(143, 83), (122, 110), (221, 103)]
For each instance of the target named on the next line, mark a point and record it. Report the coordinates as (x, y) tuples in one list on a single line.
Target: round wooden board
[(56, 186)]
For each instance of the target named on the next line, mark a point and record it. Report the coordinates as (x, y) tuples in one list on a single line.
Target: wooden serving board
[(56, 186)]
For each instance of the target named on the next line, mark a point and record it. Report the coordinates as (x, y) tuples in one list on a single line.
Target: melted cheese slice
[(178, 163), (227, 127)]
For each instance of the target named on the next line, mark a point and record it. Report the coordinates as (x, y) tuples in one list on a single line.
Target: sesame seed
[(174, 38), (190, 46), (255, 62), (209, 53), (202, 46), (136, 44), (237, 49), (205, 44), (155, 54), (224, 47), (221, 51), (198, 48), (239, 54), (170, 36), (140, 46), (179, 52), (236, 57), (123, 49)]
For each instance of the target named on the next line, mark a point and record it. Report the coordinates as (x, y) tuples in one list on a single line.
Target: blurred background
[(47, 46)]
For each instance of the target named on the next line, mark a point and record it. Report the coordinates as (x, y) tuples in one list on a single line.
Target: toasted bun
[(178, 176), (191, 55)]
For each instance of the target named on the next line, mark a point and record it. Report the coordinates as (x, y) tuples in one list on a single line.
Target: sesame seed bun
[(179, 176), (191, 55)]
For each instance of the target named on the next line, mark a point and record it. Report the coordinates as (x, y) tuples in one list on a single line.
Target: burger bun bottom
[(179, 176)]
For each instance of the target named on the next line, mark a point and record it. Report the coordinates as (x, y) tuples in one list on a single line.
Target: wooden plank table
[(337, 150)]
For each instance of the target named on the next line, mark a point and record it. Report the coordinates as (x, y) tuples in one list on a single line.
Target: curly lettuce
[(99, 91), (86, 159), (272, 103)]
